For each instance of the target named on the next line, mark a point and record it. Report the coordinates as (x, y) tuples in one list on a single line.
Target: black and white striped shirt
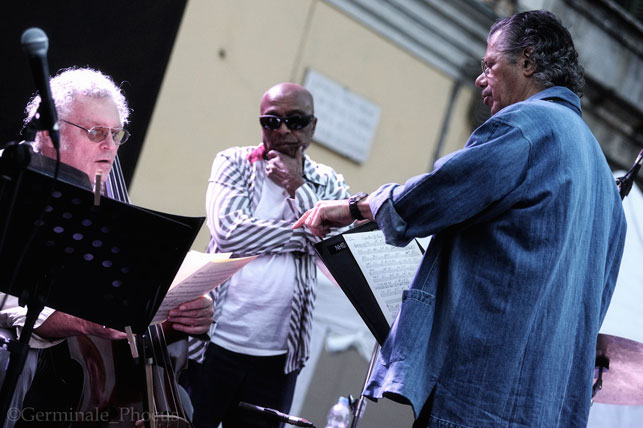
[(233, 194)]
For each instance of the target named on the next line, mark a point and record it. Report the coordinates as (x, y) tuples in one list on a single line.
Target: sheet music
[(388, 270), (199, 273)]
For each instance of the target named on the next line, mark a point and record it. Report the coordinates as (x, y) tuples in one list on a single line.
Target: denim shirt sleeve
[(476, 182)]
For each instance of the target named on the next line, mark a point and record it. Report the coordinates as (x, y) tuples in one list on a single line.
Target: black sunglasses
[(292, 122)]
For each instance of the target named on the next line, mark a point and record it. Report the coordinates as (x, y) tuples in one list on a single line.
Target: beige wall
[(229, 52)]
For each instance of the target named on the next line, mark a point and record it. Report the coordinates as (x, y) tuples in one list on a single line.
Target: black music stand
[(111, 264), (340, 262)]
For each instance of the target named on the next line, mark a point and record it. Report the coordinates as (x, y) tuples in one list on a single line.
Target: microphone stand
[(19, 351), (625, 183), (16, 159), (358, 409), (276, 417)]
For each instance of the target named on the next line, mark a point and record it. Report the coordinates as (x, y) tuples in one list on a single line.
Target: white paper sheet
[(199, 273), (388, 270)]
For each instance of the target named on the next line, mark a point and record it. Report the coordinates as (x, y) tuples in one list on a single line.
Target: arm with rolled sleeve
[(13, 316)]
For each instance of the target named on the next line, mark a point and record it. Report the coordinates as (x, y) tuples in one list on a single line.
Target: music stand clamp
[(109, 264)]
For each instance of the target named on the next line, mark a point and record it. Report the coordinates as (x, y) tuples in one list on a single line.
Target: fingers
[(197, 304), (193, 317), (193, 321), (299, 223), (324, 216), (116, 335), (299, 155), (309, 219), (314, 221), (107, 333), (192, 326)]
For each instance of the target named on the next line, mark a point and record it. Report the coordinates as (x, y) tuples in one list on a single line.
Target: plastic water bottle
[(339, 415)]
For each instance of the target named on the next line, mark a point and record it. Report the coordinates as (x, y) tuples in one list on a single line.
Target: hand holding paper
[(198, 274), (193, 317)]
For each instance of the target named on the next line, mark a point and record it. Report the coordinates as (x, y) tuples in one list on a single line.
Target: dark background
[(129, 40)]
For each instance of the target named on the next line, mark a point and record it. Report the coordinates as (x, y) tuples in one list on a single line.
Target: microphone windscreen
[(34, 42)]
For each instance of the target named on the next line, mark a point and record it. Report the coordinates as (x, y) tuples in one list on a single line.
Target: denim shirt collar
[(560, 95)]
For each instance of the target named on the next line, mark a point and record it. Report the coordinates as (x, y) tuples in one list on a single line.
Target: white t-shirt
[(255, 315)]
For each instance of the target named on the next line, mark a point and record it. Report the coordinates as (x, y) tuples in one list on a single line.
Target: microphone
[(35, 44), (281, 417)]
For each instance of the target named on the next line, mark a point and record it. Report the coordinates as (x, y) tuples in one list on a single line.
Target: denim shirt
[(500, 323)]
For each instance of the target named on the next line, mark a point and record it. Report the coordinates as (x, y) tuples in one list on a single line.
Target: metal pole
[(361, 403)]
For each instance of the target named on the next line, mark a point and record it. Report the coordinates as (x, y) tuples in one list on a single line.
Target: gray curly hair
[(548, 44), (74, 81)]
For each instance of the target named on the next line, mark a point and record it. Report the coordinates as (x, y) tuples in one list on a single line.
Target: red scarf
[(257, 154)]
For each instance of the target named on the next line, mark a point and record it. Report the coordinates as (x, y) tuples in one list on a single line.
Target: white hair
[(73, 81)]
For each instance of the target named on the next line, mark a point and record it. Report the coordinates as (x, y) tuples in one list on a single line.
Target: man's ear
[(314, 124), (527, 62), (45, 145), (44, 138)]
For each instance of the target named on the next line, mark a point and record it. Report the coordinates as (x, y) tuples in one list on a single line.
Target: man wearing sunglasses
[(263, 314), (92, 113)]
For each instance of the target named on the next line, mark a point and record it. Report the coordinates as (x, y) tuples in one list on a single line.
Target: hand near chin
[(286, 171)]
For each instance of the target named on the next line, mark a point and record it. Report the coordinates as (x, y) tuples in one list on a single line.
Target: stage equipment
[(625, 183), (276, 417), (107, 264), (340, 262), (619, 371)]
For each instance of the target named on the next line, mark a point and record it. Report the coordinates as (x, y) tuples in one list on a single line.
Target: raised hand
[(286, 171)]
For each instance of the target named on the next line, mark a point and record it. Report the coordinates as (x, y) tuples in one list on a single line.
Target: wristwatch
[(352, 205)]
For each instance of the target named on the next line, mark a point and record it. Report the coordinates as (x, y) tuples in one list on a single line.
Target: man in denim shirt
[(499, 326)]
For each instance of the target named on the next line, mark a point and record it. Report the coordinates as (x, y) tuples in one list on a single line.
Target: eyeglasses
[(292, 122), (99, 133), (485, 70)]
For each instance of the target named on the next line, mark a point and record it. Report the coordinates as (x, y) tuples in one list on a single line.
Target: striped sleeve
[(230, 207), (322, 183)]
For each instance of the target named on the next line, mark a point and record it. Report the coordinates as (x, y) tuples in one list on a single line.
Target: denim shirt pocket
[(413, 321)]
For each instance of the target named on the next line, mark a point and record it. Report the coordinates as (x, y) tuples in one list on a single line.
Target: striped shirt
[(236, 183)]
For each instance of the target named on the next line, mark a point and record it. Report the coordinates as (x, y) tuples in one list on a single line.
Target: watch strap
[(352, 205)]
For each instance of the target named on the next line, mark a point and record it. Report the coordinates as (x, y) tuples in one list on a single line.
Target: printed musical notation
[(389, 270)]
